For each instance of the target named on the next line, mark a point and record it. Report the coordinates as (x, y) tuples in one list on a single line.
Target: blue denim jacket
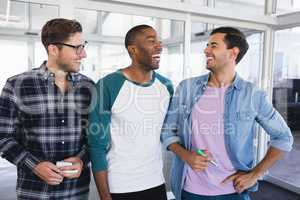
[(245, 105)]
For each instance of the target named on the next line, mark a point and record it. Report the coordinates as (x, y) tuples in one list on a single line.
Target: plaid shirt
[(39, 123)]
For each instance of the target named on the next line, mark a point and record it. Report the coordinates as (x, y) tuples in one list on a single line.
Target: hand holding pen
[(202, 153), (196, 162)]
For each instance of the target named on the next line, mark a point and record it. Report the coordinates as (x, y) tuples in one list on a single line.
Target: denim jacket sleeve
[(274, 125), (170, 125)]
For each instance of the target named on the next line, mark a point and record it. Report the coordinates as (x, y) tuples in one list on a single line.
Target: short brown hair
[(234, 38), (59, 30)]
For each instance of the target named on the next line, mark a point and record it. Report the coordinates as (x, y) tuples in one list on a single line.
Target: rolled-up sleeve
[(170, 125), (274, 125)]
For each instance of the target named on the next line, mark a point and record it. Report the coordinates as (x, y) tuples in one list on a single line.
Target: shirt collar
[(236, 82), (43, 70)]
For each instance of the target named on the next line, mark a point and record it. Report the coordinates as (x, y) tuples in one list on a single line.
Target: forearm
[(84, 155), (269, 160), (102, 185), (16, 153), (181, 152)]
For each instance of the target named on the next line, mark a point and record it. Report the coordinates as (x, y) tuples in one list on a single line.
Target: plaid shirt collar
[(43, 70)]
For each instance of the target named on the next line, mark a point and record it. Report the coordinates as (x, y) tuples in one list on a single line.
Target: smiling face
[(146, 49), (218, 56), (68, 59)]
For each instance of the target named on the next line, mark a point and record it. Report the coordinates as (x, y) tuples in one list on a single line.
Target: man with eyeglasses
[(43, 113)]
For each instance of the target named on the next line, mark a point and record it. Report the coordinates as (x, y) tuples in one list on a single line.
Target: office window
[(286, 99), (16, 17), (125, 22), (40, 13), (244, 6), (199, 2), (24, 14), (285, 6), (88, 20), (40, 54), (8, 51)]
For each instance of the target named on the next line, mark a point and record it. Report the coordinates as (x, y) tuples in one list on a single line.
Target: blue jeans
[(190, 196)]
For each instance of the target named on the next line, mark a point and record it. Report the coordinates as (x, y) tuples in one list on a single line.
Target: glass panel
[(198, 28), (40, 13), (3, 7), (286, 100), (104, 59), (40, 54), (197, 59), (88, 19), (244, 6), (284, 6), (114, 57), (17, 16), (200, 2), (109, 27), (166, 28), (125, 23), (171, 63), (248, 68), (8, 51)]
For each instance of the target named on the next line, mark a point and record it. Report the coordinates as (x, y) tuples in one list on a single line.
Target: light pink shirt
[(208, 133)]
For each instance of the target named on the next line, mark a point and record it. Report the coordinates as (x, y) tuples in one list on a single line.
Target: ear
[(132, 49), (53, 50), (235, 52)]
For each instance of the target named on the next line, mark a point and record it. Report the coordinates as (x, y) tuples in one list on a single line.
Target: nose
[(159, 45), (83, 54), (206, 50)]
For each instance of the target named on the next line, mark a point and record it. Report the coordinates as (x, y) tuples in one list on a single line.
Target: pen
[(201, 153)]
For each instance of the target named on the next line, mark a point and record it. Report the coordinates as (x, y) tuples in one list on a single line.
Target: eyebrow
[(212, 43), (150, 37)]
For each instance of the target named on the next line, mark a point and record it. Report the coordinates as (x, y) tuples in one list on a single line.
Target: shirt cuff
[(31, 161), (84, 156)]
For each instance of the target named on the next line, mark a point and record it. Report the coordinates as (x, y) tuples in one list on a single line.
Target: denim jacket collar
[(203, 81)]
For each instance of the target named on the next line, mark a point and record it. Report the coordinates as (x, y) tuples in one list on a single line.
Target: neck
[(60, 75), (221, 79), (138, 74)]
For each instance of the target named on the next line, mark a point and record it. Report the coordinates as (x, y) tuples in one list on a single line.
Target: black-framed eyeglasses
[(78, 48)]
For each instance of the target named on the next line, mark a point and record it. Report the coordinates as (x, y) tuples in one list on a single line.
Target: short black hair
[(133, 32), (234, 38), (59, 30)]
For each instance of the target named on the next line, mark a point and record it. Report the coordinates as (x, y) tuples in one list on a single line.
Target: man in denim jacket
[(219, 113)]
